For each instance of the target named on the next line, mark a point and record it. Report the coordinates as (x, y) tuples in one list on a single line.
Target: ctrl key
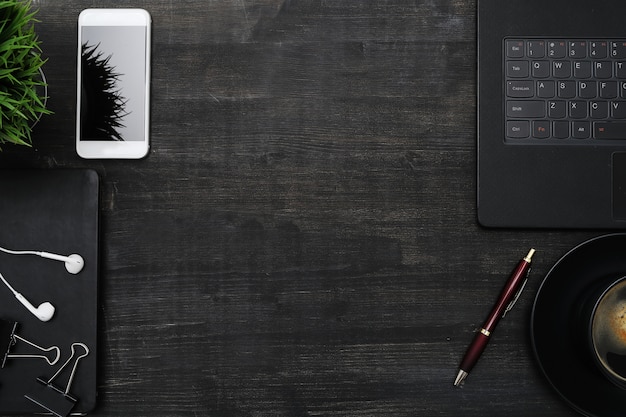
[(609, 130), (516, 129)]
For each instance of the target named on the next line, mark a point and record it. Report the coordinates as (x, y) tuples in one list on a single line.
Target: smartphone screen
[(113, 105)]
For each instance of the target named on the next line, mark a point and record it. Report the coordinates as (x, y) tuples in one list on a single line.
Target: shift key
[(525, 108), (609, 130)]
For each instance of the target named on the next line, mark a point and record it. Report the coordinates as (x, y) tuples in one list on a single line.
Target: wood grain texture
[(302, 238)]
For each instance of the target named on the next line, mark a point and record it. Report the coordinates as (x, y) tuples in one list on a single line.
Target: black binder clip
[(9, 339), (53, 399)]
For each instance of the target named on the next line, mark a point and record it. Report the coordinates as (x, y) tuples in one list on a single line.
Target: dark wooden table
[(302, 238)]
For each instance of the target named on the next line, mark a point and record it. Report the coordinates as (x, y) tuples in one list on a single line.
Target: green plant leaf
[(20, 79)]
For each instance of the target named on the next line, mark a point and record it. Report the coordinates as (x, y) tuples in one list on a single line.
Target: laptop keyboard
[(565, 90)]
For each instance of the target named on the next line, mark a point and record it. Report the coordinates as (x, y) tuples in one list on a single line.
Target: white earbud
[(44, 312), (74, 263)]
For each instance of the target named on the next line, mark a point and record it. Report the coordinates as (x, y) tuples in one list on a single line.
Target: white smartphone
[(113, 88)]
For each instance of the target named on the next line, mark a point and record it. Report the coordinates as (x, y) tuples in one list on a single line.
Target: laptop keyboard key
[(515, 49), (598, 110), (520, 89), (597, 49), (609, 130), (618, 109), (557, 109), (577, 109), (581, 130), (525, 109), (562, 69), (517, 129), (541, 69), (557, 49), (560, 129), (587, 89), (545, 89), (618, 49), (541, 129), (536, 49), (608, 89), (582, 69), (567, 89), (602, 69), (517, 69), (578, 49)]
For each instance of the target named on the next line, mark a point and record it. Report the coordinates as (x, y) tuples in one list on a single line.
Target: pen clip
[(516, 297)]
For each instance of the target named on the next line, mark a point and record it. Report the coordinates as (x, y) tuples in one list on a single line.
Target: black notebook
[(53, 211), (552, 114)]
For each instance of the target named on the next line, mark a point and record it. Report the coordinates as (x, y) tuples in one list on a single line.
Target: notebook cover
[(54, 211)]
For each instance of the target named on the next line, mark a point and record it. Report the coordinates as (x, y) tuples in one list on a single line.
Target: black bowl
[(557, 329)]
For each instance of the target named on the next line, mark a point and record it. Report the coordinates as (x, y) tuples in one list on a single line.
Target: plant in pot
[(23, 88)]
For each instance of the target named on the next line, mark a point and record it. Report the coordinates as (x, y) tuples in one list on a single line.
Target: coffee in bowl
[(608, 332)]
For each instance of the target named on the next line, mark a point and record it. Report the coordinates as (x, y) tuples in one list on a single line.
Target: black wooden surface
[(302, 238)]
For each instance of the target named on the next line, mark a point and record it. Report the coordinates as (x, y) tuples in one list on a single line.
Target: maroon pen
[(511, 291)]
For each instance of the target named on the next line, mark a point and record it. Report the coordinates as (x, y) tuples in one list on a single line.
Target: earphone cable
[(7, 284), (18, 252)]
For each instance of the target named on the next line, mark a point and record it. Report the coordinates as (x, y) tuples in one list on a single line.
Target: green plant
[(21, 83)]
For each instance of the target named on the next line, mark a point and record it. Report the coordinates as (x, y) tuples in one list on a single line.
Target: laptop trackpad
[(619, 186)]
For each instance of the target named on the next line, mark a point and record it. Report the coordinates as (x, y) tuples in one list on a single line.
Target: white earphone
[(43, 312), (73, 263)]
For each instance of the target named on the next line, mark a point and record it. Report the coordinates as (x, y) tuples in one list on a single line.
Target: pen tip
[(460, 377), (528, 257)]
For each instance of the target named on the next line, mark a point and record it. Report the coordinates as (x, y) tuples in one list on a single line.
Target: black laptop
[(552, 113)]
